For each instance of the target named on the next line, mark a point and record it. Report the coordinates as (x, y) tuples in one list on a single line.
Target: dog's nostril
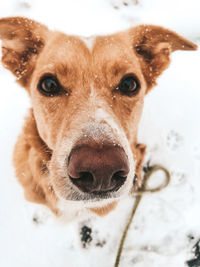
[(118, 179), (119, 174), (84, 180)]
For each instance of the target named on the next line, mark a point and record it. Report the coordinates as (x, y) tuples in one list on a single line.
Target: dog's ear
[(153, 45), (22, 41)]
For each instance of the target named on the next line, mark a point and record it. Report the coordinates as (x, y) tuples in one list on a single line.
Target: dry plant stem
[(138, 198)]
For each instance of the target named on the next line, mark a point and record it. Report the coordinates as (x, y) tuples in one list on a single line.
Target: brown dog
[(79, 143)]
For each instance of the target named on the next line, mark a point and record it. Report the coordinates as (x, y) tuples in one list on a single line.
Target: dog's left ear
[(22, 41), (153, 45)]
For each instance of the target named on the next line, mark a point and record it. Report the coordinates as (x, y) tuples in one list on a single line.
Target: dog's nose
[(98, 170)]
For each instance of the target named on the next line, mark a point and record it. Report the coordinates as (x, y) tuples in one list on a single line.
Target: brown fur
[(29, 50), (104, 210)]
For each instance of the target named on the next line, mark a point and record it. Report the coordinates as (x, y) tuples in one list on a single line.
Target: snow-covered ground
[(167, 224)]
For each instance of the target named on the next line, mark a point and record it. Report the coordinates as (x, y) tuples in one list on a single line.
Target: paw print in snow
[(120, 3), (174, 140), (177, 177), (23, 5), (40, 216), (90, 238)]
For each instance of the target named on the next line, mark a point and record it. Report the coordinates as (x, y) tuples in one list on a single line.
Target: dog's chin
[(91, 201), (98, 197), (90, 197)]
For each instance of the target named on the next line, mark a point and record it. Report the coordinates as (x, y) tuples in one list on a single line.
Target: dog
[(78, 150)]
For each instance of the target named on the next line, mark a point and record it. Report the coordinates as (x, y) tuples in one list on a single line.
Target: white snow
[(170, 127)]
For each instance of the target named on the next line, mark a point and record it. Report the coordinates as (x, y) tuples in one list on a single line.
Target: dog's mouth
[(97, 196), (69, 190), (85, 189)]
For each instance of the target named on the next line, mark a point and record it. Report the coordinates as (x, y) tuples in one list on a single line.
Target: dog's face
[(87, 97), (91, 120)]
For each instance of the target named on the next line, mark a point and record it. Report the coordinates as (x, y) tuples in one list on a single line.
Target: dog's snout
[(98, 169)]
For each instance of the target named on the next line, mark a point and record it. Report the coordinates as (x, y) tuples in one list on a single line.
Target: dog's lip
[(86, 197), (99, 198), (102, 194), (93, 197)]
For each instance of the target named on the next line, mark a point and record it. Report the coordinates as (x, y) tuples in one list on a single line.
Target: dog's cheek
[(128, 112), (44, 125), (50, 113)]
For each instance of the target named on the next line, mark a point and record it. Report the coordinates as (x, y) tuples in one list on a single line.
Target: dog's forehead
[(93, 51)]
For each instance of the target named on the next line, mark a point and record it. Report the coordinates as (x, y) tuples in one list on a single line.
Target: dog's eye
[(49, 86), (129, 85)]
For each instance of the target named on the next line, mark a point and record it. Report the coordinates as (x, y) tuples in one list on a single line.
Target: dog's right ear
[(22, 41)]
